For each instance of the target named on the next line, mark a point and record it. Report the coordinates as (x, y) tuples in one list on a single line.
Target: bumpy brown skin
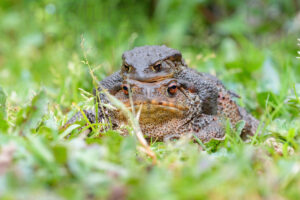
[(139, 63), (155, 63), (164, 114)]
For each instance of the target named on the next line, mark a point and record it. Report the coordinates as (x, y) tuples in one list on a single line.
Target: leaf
[(60, 153), (239, 126), (212, 145), (30, 116), (68, 131), (266, 99), (40, 149)]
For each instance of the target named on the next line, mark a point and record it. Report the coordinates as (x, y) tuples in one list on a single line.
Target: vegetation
[(48, 50)]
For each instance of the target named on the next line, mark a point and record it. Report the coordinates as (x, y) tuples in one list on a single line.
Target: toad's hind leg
[(251, 124), (207, 127), (228, 108)]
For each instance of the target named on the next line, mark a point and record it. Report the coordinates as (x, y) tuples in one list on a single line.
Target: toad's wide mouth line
[(157, 78), (163, 104)]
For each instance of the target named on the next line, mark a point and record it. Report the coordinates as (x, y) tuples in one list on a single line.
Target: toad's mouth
[(156, 78), (153, 104)]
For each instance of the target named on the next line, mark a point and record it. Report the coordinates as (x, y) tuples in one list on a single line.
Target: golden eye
[(156, 67), (125, 89), (172, 88), (127, 68)]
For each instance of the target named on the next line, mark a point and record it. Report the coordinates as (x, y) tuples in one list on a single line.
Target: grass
[(45, 78)]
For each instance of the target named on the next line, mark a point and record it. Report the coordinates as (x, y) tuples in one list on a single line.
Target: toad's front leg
[(112, 84), (89, 114)]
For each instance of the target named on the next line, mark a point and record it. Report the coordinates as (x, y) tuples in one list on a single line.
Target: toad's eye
[(172, 88), (127, 68), (125, 89), (156, 67)]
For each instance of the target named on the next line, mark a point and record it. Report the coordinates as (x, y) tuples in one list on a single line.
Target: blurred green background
[(238, 41), (44, 45)]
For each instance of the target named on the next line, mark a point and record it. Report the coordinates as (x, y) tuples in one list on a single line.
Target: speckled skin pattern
[(207, 121), (142, 59), (163, 115)]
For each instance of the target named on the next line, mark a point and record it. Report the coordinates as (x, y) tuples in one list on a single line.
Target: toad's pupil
[(157, 67), (126, 67), (125, 89)]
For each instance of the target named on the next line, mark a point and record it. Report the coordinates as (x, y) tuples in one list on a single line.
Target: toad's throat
[(163, 104)]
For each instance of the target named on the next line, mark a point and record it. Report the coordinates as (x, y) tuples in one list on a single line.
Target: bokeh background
[(44, 48), (249, 45)]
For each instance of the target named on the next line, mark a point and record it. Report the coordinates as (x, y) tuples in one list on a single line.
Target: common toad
[(154, 63), (151, 67), (167, 111)]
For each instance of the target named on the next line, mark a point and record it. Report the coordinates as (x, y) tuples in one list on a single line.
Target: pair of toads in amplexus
[(172, 99)]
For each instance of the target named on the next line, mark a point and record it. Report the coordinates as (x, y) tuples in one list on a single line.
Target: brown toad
[(151, 64), (167, 110)]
